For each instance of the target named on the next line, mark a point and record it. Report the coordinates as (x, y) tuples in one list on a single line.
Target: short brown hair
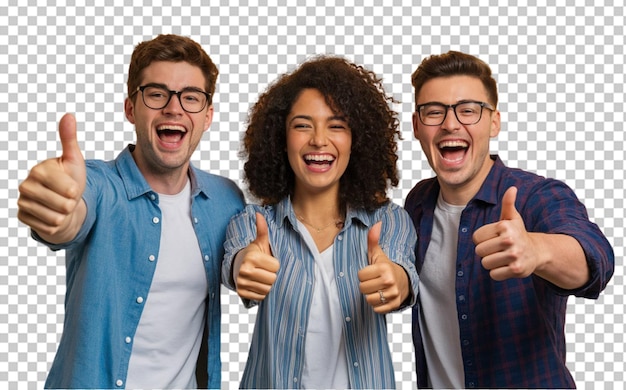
[(454, 63), (172, 48)]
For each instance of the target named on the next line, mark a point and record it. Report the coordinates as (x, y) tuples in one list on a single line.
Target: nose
[(319, 136), (450, 122), (173, 106)]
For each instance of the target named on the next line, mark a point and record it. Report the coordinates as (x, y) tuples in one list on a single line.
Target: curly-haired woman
[(326, 253)]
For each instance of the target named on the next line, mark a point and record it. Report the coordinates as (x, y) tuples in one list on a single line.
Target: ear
[(415, 124), (208, 119), (129, 110), (495, 124)]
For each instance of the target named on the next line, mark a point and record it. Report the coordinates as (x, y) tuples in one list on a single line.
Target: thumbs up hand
[(50, 200), (507, 249), (384, 283), (72, 161), (255, 269)]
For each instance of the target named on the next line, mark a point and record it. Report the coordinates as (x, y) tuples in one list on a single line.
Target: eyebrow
[(159, 85), (457, 102), (328, 119)]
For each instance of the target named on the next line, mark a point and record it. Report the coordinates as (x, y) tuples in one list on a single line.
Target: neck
[(318, 213), (167, 184), (163, 181), (461, 194)]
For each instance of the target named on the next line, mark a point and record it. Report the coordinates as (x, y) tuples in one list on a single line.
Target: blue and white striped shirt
[(276, 356)]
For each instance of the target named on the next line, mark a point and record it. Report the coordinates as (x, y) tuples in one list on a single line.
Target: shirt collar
[(284, 210), (136, 185), (488, 191)]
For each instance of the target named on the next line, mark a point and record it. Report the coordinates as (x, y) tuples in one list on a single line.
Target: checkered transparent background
[(560, 70)]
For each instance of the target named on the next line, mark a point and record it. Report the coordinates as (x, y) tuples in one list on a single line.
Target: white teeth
[(172, 128), (453, 144), (319, 158)]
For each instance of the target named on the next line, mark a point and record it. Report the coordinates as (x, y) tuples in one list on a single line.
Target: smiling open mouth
[(171, 134), (318, 159), (453, 150)]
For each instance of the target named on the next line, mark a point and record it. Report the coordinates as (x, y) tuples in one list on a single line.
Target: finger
[(369, 273), (251, 295), (69, 142), (71, 161), (382, 306), (262, 234), (252, 287), (50, 191), (495, 260), (491, 245), (45, 221), (259, 271), (377, 276), (484, 233), (373, 246), (503, 273), (257, 275), (508, 205), (51, 211)]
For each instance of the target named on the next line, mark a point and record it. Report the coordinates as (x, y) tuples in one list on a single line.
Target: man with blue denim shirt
[(143, 234), (499, 249)]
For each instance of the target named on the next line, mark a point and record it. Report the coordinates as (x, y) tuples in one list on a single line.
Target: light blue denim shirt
[(276, 356), (111, 262)]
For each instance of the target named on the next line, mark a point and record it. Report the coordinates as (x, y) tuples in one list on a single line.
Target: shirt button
[(119, 383), (466, 342), (155, 220), (195, 220), (139, 299), (151, 258), (464, 230), (340, 237), (464, 316), (152, 197), (127, 340), (356, 364), (295, 379), (461, 298), (341, 274), (459, 274), (206, 257), (348, 319)]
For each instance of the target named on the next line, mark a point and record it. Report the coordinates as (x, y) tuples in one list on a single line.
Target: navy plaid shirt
[(511, 332)]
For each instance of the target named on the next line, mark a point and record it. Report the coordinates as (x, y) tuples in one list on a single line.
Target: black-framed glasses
[(157, 97), (468, 112)]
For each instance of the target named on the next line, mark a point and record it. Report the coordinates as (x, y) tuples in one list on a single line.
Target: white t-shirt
[(325, 362), (169, 334), (438, 316)]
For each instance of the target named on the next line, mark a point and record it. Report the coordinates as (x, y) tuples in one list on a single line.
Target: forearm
[(561, 260)]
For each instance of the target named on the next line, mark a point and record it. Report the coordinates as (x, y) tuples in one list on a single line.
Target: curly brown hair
[(349, 90)]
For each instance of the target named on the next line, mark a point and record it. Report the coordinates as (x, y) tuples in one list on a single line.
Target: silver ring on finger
[(383, 300)]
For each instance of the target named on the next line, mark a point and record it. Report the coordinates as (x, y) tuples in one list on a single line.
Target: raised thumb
[(373, 236), (69, 143), (508, 211), (262, 234)]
